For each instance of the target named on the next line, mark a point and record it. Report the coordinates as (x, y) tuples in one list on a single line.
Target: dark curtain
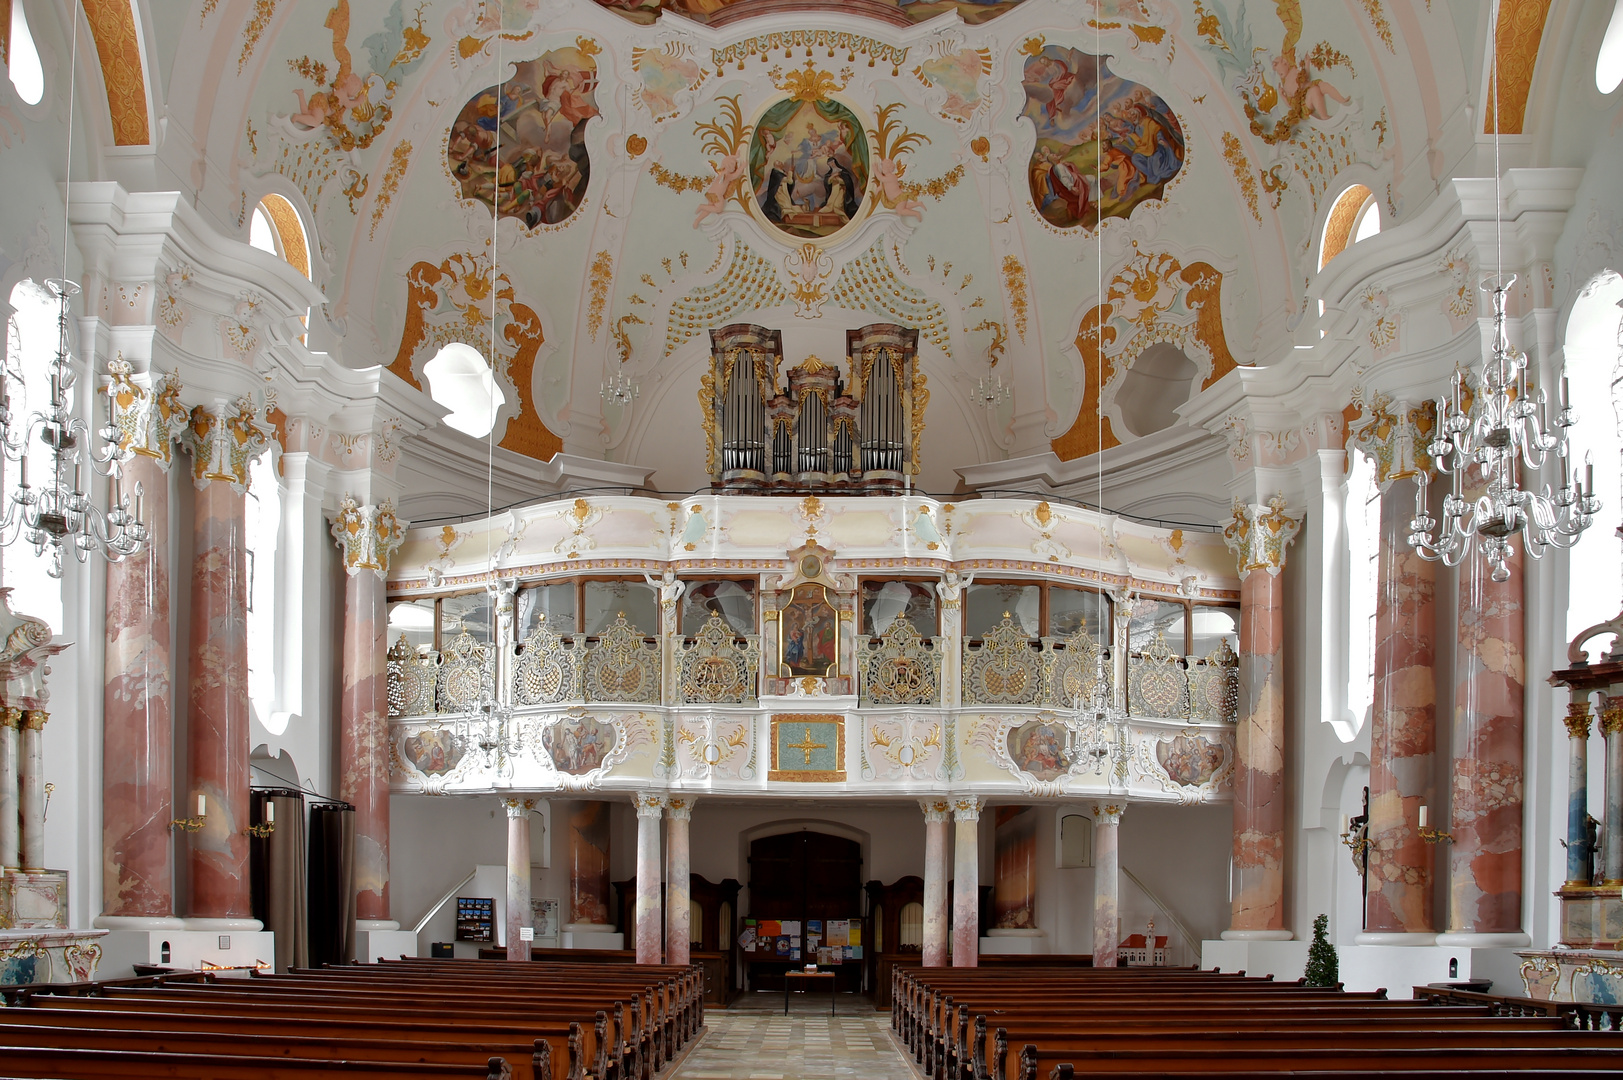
[(332, 884), (276, 873)]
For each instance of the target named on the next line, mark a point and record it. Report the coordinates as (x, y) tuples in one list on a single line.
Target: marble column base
[(187, 950), (588, 928), (1468, 940), (374, 945), (138, 922), (1256, 935), (1398, 939), (1591, 916), (208, 926), (377, 924)]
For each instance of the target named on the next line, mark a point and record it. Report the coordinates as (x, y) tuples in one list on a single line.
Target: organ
[(814, 433)]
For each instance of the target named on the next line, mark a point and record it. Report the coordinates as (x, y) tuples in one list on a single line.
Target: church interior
[(975, 511)]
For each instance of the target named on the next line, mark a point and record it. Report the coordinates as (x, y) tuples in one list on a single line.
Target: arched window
[(22, 58), (263, 522), (276, 228), (1354, 217), (459, 379), (32, 338), (1363, 581), (1592, 351), (1609, 64), (910, 926)]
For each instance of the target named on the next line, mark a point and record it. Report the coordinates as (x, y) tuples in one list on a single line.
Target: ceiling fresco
[(1045, 189)]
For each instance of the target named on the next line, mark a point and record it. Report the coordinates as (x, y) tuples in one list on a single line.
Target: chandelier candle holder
[(990, 391), (618, 389), (1499, 428), (1098, 722), (55, 512)]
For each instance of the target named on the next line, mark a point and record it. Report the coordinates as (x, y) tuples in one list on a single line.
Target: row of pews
[(960, 1023), (408, 1018)]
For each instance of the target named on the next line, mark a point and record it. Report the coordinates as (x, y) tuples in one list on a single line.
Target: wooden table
[(813, 976)]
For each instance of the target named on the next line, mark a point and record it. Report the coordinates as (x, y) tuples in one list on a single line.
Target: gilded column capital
[(1108, 813), (34, 719), (1577, 719), (518, 808), (935, 810), (11, 718), (224, 439), (1396, 435), (1258, 535), (967, 808), (148, 419), (367, 535), (680, 807), (1611, 717), (649, 804)]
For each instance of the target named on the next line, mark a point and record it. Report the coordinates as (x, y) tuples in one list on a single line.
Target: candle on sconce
[(1346, 824), (1422, 815), (202, 805), (270, 812), (1564, 398)]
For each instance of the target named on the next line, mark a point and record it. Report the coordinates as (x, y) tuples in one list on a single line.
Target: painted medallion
[(1104, 144), (808, 167)]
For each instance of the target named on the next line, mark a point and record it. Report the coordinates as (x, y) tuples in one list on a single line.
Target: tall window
[(22, 58), (263, 521), (1593, 353), (1363, 584), (31, 341)]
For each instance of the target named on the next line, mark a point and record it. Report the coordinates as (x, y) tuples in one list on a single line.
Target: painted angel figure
[(670, 588), (888, 177), (728, 170)]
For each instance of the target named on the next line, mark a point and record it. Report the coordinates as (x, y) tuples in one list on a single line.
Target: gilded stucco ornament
[(148, 419), (368, 535), (224, 439), (1258, 535)]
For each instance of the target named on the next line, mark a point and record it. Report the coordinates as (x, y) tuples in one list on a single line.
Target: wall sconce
[(1432, 836), (263, 830), (192, 824)]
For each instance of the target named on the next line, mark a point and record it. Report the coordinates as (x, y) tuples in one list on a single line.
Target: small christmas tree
[(1322, 969)]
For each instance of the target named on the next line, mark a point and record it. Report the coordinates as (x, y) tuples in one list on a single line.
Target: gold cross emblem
[(807, 746)]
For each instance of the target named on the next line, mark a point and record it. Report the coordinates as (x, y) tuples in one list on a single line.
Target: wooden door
[(802, 876)]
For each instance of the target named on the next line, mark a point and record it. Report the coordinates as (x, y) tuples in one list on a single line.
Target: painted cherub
[(1294, 79), (888, 177), (727, 172)]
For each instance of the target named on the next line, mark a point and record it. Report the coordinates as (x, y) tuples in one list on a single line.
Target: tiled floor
[(756, 1041)]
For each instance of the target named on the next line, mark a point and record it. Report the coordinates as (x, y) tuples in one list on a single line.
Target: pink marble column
[(936, 814), (138, 720), (223, 439), (678, 891), (1485, 791), (11, 840), (650, 808), (518, 876), (219, 712), (367, 536), (33, 788), (1403, 733), (1106, 871), (1259, 535), (966, 880)]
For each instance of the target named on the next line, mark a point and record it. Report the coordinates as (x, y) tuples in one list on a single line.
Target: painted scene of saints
[(536, 120), (808, 628), (808, 167), (1104, 143)]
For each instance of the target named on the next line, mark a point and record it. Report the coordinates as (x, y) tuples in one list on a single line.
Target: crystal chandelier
[(1097, 722), (56, 512), (1494, 426), (1499, 428), (989, 391), (618, 389)]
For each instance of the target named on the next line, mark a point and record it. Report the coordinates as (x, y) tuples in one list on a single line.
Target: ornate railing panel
[(621, 665), (411, 678), (716, 669), (1004, 669), (900, 667), (1157, 684), (546, 670), (1076, 668), (1214, 685), (467, 669)]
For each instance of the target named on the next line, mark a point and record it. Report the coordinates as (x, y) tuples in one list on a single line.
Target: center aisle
[(760, 1044)]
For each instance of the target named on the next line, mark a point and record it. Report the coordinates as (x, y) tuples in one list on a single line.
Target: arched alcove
[(1153, 388)]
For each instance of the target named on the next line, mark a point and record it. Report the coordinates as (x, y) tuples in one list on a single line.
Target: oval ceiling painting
[(536, 120), (809, 167), (1104, 143)]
